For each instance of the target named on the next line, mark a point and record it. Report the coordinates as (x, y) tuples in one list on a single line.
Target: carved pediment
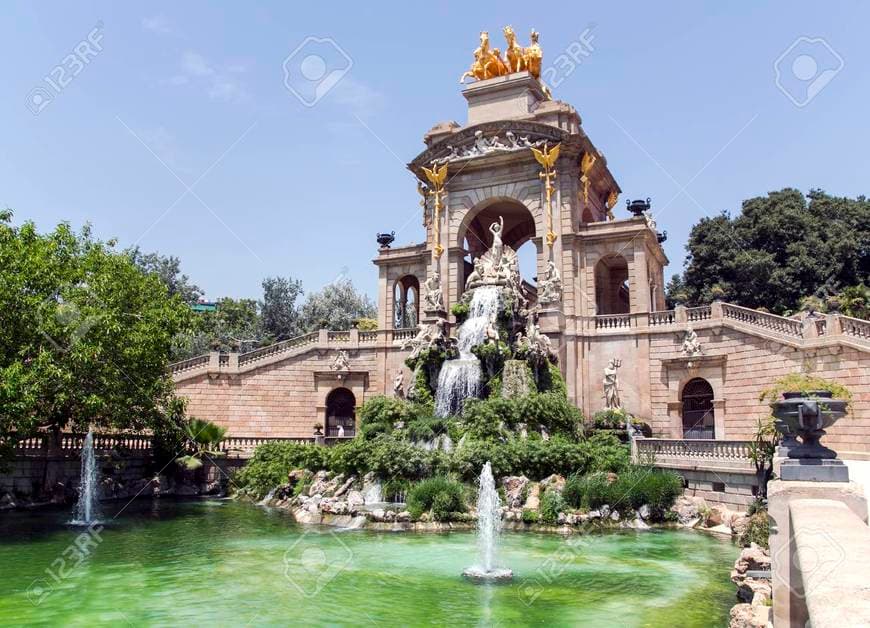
[(489, 138)]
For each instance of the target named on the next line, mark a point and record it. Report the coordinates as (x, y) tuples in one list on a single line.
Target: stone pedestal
[(503, 98), (813, 470), (551, 321), (431, 316)]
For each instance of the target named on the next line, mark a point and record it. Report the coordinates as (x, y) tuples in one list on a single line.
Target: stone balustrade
[(794, 330), (232, 446), (855, 327), (696, 454), (764, 320), (216, 362)]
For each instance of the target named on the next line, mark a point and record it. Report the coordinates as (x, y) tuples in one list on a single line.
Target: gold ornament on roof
[(437, 177), (586, 164), (547, 159), (488, 62), (611, 203)]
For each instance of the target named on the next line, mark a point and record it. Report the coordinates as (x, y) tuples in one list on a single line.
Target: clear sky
[(681, 97)]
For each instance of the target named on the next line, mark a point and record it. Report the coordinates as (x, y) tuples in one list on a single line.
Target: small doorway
[(698, 420), (340, 414)]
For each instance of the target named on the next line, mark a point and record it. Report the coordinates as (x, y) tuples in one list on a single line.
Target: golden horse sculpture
[(488, 62)]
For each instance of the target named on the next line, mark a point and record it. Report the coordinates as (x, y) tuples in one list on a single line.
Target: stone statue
[(550, 289), (497, 248), (399, 384), (476, 276), (341, 362), (538, 344), (433, 296), (611, 385), (691, 344), (427, 336), (341, 431), (491, 332)]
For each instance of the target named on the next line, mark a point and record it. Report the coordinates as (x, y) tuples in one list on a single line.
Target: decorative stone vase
[(386, 239), (807, 416)]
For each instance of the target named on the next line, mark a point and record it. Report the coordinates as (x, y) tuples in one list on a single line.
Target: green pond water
[(221, 563)]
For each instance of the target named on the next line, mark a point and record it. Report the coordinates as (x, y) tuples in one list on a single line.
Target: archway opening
[(519, 229), (406, 300), (611, 285), (698, 420), (340, 414)]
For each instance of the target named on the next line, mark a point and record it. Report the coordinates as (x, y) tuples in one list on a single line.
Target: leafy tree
[(233, 325), (278, 312), (168, 269), (336, 307), (86, 335), (780, 249)]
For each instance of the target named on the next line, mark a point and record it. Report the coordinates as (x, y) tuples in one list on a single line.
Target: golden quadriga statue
[(488, 62)]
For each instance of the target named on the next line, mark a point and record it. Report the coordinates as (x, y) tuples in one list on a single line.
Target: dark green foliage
[(460, 311), (757, 531), (86, 335), (272, 462), (379, 414), (632, 488), (425, 428), (426, 367), (553, 412), (780, 249), (552, 504), (395, 489), (530, 516), (492, 356), (536, 458), (550, 379), (490, 418), (441, 495)]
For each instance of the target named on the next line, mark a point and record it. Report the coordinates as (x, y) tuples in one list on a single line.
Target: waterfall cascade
[(459, 379), (86, 511), (488, 529)]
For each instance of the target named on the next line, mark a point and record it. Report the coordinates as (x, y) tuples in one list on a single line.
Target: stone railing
[(701, 313), (73, 442), (233, 446), (189, 365), (855, 327), (713, 455), (663, 317), (695, 448), (216, 362), (244, 446), (613, 321), (771, 322), (284, 346)]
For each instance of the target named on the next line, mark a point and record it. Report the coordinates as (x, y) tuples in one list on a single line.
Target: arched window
[(406, 300), (340, 412), (698, 410), (611, 285)]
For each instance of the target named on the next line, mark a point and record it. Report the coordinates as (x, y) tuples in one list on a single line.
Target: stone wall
[(287, 397)]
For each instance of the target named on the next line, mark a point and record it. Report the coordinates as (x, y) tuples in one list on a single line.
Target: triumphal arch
[(522, 166)]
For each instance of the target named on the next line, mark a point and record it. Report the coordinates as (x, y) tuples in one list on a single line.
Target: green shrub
[(530, 516), (757, 530), (607, 453), (552, 411), (436, 492), (632, 488), (272, 462), (379, 414), (489, 418), (802, 383), (460, 311), (552, 504), (550, 379), (395, 489), (425, 428)]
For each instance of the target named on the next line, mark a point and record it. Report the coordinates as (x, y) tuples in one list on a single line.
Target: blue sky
[(681, 97)]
